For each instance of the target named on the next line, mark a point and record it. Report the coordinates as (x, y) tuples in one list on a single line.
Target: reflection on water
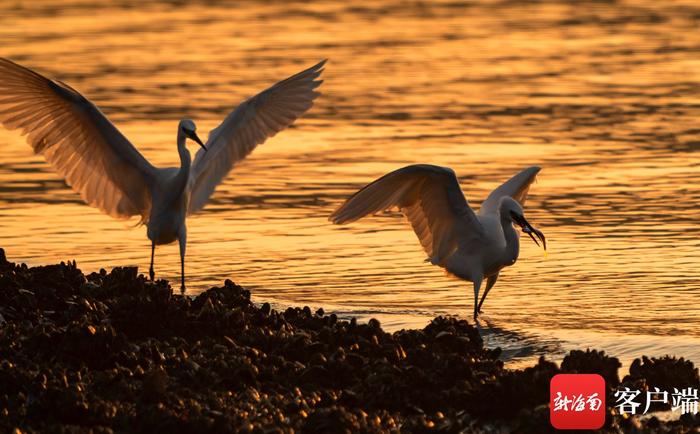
[(605, 96)]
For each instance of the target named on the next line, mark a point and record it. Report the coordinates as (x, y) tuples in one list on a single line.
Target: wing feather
[(249, 125), (516, 187), (430, 198), (77, 140)]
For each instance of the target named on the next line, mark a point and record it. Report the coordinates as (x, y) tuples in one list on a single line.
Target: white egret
[(99, 163), (467, 245)]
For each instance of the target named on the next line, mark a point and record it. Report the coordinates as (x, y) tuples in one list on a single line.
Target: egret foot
[(151, 274)]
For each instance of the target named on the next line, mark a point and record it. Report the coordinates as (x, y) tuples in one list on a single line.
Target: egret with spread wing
[(99, 163), (468, 245)]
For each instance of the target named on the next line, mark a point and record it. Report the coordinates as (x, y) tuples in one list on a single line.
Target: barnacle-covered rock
[(114, 352), (592, 362), (665, 372)]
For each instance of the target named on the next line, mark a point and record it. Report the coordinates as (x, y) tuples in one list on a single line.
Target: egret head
[(513, 209), (189, 129)]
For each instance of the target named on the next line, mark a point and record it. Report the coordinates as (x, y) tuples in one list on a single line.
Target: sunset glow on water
[(605, 97)]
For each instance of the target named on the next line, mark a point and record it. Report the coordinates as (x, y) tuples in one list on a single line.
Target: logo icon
[(577, 401)]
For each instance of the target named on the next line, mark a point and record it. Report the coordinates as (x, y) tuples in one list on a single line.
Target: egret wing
[(248, 125), (81, 144), (429, 196), (516, 187)]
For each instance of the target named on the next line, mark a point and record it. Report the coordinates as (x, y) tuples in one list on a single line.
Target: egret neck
[(183, 175), (511, 236)]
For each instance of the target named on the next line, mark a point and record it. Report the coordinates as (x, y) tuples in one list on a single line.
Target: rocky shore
[(112, 352)]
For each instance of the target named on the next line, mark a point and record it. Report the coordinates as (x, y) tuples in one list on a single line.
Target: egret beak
[(528, 229), (196, 139)]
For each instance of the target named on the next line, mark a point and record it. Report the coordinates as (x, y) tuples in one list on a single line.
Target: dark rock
[(664, 372), (592, 362), (114, 352)]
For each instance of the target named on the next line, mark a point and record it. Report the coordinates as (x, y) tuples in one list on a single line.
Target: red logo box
[(577, 401)]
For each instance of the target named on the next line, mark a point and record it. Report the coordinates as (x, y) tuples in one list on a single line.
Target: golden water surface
[(605, 96)]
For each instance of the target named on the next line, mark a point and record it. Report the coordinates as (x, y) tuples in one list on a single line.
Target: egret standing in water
[(99, 163), (468, 245)]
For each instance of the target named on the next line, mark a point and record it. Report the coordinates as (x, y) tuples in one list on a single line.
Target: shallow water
[(605, 96)]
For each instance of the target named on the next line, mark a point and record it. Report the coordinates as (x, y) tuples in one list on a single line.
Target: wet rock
[(155, 385), (664, 372), (334, 419), (592, 362), (522, 389), (114, 352)]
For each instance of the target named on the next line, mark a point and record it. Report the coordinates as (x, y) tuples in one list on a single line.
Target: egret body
[(99, 163), (468, 245)]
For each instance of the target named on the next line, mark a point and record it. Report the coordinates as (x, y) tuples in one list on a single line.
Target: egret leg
[(183, 246), (489, 284), (152, 273), (477, 286)]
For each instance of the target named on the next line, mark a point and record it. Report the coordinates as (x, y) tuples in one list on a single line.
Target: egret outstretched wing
[(431, 199), (249, 125), (81, 144), (516, 187)]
